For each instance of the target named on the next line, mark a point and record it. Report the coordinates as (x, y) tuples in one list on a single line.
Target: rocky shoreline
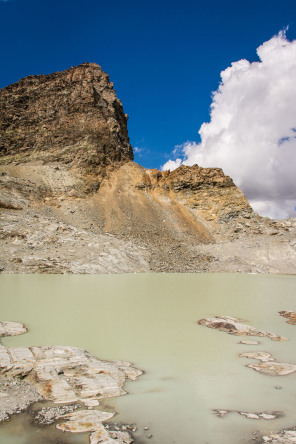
[(68, 376), (76, 382), (73, 201)]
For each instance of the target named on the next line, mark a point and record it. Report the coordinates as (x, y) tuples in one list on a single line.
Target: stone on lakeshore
[(110, 437), (64, 374), (250, 415), (84, 421), (234, 326), (268, 365), (101, 435), (274, 368), (11, 329), (67, 374), (283, 437), (268, 416), (221, 413), (291, 315), (261, 356), (15, 396), (249, 342), (48, 415)]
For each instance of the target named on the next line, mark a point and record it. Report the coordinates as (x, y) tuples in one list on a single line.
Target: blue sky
[(164, 57)]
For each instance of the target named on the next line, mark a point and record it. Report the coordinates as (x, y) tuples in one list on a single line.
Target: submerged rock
[(234, 326), (66, 374)]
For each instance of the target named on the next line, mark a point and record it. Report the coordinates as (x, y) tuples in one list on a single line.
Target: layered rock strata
[(63, 375), (67, 180), (234, 326), (73, 117), (290, 315)]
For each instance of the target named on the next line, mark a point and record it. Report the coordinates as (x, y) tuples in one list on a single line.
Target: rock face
[(67, 179), (72, 116)]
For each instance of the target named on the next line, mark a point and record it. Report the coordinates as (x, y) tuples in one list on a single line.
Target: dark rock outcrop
[(71, 116)]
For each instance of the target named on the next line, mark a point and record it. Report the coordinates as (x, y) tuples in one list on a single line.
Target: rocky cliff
[(72, 117), (72, 200)]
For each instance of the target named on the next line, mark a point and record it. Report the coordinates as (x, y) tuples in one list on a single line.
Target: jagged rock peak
[(71, 116)]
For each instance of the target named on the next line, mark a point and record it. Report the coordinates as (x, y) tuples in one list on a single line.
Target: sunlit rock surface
[(268, 365), (284, 437), (250, 415), (11, 329), (72, 115), (67, 177), (249, 342), (290, 315), (65, 375), (234, 326)]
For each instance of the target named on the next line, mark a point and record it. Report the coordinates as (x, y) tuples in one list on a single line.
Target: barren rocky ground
[(48, 225), (72, 200)]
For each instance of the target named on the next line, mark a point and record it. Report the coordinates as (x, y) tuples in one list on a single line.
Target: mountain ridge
[(73, 201)]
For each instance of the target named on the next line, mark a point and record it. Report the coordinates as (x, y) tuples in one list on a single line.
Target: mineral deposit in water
[(151, 321)]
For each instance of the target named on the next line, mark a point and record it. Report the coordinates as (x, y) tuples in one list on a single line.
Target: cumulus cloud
[(252, 129)]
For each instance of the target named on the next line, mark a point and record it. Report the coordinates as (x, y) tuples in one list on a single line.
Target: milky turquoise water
[(151, 320)]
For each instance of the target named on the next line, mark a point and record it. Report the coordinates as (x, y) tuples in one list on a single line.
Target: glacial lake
[(151, 321)]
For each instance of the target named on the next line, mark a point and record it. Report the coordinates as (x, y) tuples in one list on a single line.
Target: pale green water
[(150, 320)]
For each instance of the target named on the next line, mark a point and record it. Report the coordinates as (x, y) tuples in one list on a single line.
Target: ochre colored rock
[(67, 176), (291, 315)]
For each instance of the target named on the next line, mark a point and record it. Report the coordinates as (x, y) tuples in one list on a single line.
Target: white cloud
[(172, 164), (252, 130)]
